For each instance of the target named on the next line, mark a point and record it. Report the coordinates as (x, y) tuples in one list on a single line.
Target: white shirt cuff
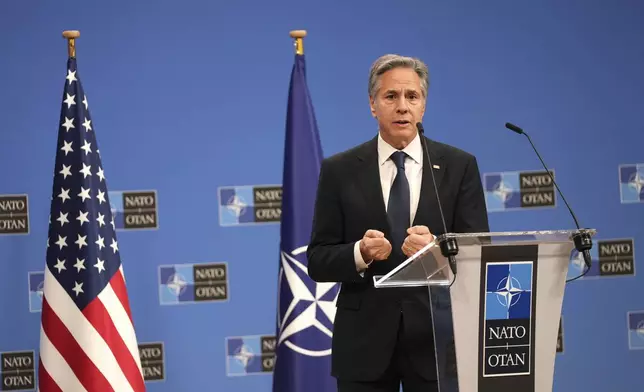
[(357, 255)]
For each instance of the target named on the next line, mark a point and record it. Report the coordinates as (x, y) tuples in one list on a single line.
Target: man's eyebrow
[(407, 90)]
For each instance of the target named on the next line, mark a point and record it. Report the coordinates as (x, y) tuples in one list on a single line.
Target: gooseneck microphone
[(582, 240), (449, 246)]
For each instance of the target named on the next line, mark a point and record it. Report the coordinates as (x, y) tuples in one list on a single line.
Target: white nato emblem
[(243, 355), (640, 329), (311, 311), (502, 191), (237, 205), (508, 291), (176, 284), (636, 182)]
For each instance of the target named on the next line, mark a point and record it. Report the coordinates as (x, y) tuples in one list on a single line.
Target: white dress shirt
[(388, 171)]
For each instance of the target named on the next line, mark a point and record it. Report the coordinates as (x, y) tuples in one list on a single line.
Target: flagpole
[(298, 36), (71, 36)]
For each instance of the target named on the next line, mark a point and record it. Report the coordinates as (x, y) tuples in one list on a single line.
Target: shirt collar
[(413, 150)]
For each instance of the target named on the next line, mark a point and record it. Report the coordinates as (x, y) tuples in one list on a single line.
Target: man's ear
[(372, 105)]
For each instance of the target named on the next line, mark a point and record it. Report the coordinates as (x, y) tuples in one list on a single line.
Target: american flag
[(87, 337)]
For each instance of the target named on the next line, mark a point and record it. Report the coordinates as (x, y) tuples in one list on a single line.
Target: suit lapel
[(427, 212), (369, 183)]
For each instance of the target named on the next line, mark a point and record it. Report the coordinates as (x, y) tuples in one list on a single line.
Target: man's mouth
[(402, 122)]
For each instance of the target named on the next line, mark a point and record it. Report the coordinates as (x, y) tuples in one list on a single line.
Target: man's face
[(398, 105)]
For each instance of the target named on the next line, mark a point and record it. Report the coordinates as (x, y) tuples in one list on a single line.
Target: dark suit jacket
[(349, 202)]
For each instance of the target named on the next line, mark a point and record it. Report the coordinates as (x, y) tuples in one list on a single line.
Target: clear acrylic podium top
[(429, 267)]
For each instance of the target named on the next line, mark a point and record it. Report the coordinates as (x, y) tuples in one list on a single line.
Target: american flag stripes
[(87, 338)]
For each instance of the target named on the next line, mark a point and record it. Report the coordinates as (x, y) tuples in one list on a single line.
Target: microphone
[(449, 247), (582, 240)]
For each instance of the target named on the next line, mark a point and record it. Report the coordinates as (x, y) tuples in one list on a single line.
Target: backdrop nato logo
[(508, 319), (519, 190), (610, 258), (636, 330), (631, 183), (133, 210), (36, 285), (152, 361), (18, 371), (14, 214), (250, 204), (249, 355), (190, 283)]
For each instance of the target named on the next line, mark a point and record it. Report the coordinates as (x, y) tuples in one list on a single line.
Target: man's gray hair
[(391, 61)]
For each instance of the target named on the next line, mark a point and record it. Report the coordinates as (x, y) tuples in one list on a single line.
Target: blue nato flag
[(305, 309)]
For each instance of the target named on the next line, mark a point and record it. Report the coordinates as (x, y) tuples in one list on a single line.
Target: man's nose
[(401, 106)]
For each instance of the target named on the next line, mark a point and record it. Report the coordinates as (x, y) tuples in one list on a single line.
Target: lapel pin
[(436, 167)]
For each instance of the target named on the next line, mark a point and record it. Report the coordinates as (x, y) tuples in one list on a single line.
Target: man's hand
[(418, 238), (374, 246)]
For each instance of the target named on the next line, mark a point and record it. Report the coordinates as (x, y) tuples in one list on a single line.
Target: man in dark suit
[(375, 207)]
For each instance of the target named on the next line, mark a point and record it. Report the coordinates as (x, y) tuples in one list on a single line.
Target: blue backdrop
[(188, 102)]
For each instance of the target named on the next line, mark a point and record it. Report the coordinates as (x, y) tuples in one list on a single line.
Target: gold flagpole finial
[(298, 35), (71, 36)]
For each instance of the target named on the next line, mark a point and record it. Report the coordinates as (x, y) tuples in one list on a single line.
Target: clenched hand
[(374, 246)]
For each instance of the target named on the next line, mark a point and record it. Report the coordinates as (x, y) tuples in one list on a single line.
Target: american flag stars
[(81, 206)]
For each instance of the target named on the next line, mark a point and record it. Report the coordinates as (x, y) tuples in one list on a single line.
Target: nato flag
[(305, 309)]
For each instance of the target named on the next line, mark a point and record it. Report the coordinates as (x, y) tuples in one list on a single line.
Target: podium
[(495, 321)]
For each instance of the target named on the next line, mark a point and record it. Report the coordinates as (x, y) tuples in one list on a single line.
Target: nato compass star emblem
[(236, 205), (636, 182), (176, 284), (508, 292), (640, 329), (502, 191), (306, 308), (243, 355)]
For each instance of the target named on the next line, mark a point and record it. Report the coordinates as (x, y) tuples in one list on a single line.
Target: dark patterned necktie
[(398, 204)]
